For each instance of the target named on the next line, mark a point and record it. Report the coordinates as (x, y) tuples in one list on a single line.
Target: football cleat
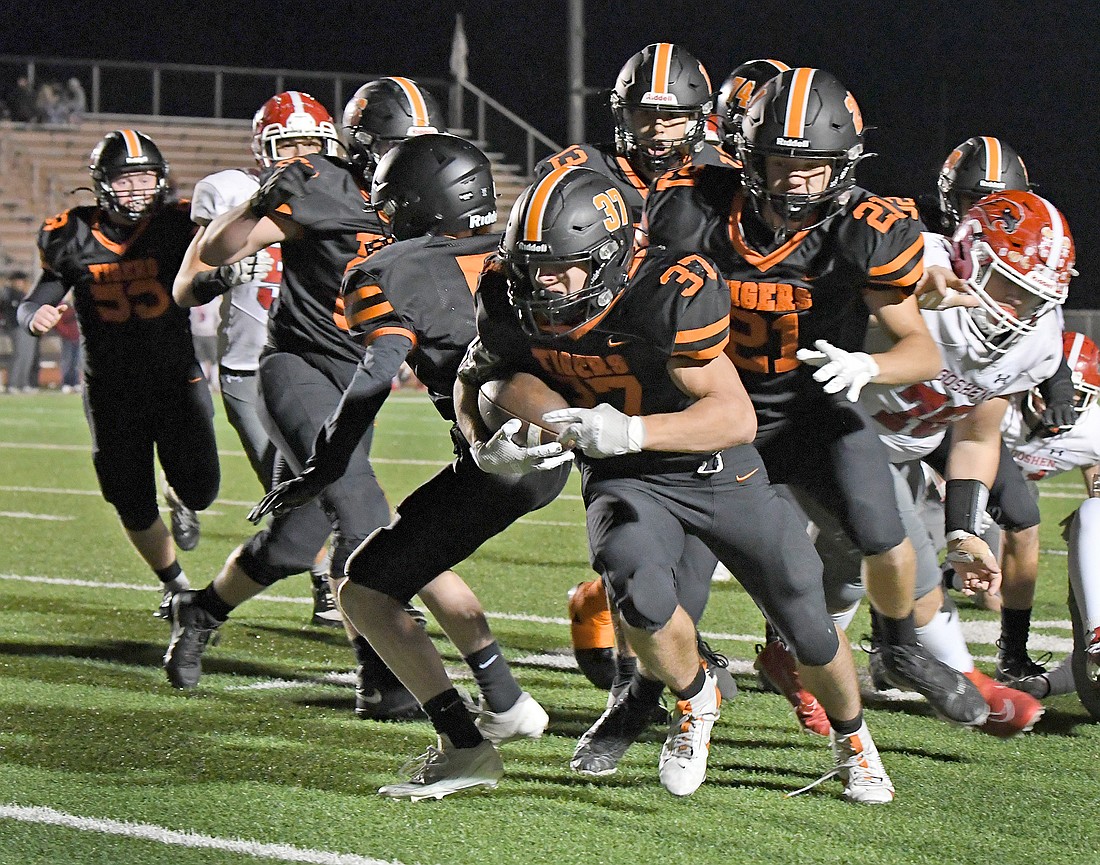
[(192, 630), (1011, 712), (325, 612), (951, 695), (171, 588), (185, 522), (718, 664), (1018, 669), (776, 665), (859, 767), (394, 702), (525, 720), (1092, 657), (592, 632), (683, 763), (444, 769), (603, 745)]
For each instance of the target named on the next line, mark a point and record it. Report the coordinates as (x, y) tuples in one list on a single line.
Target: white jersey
[(912, 419), (245, 318), (1076, 448)]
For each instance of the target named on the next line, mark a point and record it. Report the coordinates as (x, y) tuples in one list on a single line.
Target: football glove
[(251, 268), (1057, 418), (288, 495), (839, 369), (502, 456), (600, 432)]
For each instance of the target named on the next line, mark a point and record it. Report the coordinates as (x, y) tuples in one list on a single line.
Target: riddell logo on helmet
[(532, 246), (479, 220), (792, 142), (991, 184), (659, 98)]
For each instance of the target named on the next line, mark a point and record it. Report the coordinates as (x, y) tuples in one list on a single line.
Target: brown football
[(522, 396)]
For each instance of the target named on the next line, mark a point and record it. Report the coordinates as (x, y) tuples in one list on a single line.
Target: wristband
[(964, 504)]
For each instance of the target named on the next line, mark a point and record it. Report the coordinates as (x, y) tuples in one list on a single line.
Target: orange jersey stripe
[(416, 101), (915, 248), (796, 102), (360, 316), (384, 331), (362, 293), (662, 61), (706, 353), (699, 333), (536, 204)]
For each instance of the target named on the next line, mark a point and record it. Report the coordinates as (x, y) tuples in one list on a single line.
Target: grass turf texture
[(267, 749)]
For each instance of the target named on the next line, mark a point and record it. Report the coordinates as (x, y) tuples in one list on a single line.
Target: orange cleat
[(1011, 712), (776, 665), (593, 633)]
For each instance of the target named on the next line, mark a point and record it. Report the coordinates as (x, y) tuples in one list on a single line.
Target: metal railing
[(234, 92)]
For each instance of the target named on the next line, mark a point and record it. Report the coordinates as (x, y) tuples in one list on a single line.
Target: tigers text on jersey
[(1038, 457), (810, 287), (339, 230), (122, 289), (604, 159), (672, 307), (422, 288), (913, 418), (245, 323)]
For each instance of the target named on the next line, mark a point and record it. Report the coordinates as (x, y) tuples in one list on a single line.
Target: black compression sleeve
[(1059, 387), (48, 290), (210, 284)]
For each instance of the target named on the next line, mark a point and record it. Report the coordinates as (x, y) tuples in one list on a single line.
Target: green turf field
[(102, 762)]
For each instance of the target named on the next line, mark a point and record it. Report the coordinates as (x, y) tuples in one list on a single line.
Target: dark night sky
[(928, 75)]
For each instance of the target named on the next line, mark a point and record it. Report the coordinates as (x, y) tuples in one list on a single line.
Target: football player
[(1048, 456), (143, 387), (314, 207), (807, 255), (662, 429), (413, 301), (288, 124), (733, 98)]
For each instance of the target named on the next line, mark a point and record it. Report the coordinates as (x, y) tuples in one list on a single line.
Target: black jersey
[(672, 307), (605, 159), (339, 230), (808, 288), (422, 288), (121, 278)]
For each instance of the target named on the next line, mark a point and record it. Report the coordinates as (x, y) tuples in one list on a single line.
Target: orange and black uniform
[(310, 359), (143, 388), (641, 507), (413, 301), (784, 298)]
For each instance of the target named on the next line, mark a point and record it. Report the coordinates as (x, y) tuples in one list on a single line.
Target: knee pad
[(644, 601), (267, 561), (815, 646), (135, 516)]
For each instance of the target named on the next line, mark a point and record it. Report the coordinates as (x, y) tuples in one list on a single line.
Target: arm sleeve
[(48, 290), (359, 406), (1059, 387)]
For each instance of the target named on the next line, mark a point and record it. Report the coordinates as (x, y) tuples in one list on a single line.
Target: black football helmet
[(383, 112), (126, 151), (665, 79), (736, 93), (572, 216), (976, 168), (802, 113), (433, 184)]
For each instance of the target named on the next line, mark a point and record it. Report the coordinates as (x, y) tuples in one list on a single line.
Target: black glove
[(288, 495), (1056, 418)]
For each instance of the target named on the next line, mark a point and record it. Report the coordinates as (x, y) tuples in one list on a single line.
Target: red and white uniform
[(1078, 447), (912, 419), (246, 321)]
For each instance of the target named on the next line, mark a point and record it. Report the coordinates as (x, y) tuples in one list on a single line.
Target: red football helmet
[(1083, 360), (290, 115), (1025, 239)]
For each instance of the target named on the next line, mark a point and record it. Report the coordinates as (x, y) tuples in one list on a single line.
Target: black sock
[(209, 600), (645, 690), (1015, 627), (375, 671), (695, 687), (898, 632), (846, 728), (168, 574), (451, 718), (494, 678), (625, 668)]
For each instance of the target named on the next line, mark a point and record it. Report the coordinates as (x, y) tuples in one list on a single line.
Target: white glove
[(600, 432), (251, 268), (502, 456), (839, 368)]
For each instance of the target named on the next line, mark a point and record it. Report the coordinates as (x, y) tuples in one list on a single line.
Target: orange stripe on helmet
[(993, 161), (540, 197), (797, 98), (416, 101), (662, 63), (779, 65), (133, 143)]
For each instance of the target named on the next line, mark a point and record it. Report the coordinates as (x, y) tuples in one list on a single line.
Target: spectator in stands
[(20, 101), (23, 367), (73, 101), (71, 353), (48, 107)]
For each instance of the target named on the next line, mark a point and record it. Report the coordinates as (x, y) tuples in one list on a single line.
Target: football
[(525, 397)]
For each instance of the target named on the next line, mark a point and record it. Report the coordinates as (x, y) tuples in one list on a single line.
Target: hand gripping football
[(525, 397)]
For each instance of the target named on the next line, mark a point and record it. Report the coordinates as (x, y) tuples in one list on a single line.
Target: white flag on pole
[(458, 50)]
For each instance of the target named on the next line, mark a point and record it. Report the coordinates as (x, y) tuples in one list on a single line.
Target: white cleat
[(683, 765), (444, 769)]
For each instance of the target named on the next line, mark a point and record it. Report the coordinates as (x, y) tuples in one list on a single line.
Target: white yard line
[(161, 835)]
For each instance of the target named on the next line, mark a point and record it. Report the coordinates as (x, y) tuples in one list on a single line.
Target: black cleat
[(951, 695), (325, 612), (602, 746), (185, 522), (1018, 670), (192, 630), (171, 589), (393, 702)]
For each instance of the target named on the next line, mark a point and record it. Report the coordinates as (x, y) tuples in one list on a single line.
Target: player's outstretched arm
[(914, 355)]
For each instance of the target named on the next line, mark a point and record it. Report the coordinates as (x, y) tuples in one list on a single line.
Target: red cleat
[(776, 665), (1011, 712)]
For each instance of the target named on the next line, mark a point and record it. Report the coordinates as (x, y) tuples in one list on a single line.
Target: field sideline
[(102, 762)]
